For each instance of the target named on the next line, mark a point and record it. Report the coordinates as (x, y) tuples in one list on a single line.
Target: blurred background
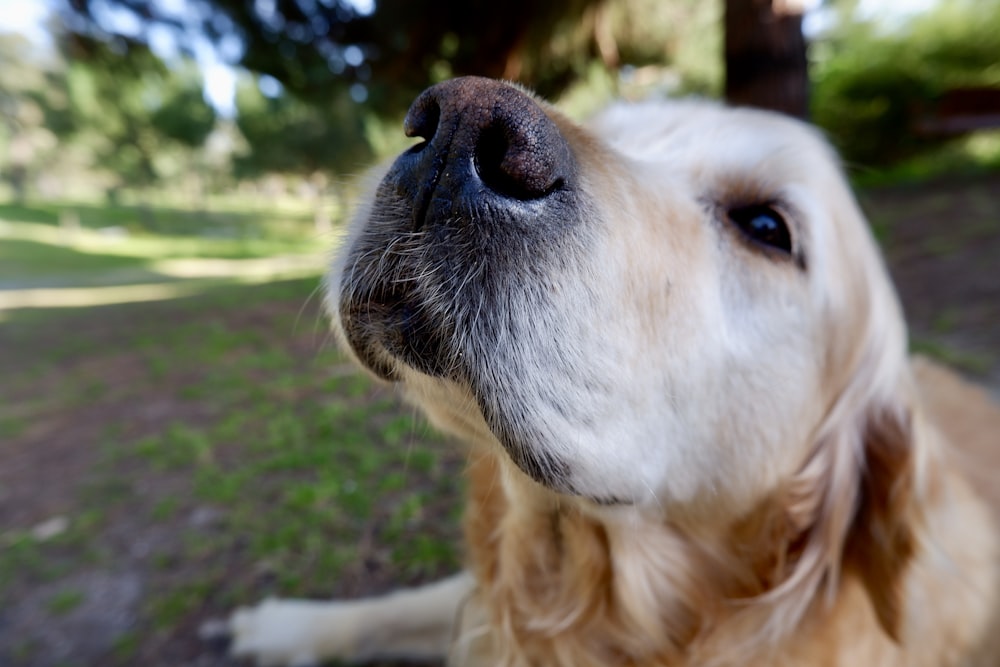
[(178, 435)]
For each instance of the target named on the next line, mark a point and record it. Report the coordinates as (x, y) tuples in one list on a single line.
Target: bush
[(870, 88)]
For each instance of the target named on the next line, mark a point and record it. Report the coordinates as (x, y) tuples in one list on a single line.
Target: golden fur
[(568, 589), (847, 516)]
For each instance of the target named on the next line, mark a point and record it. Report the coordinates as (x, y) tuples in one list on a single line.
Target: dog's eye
[(763, 224)]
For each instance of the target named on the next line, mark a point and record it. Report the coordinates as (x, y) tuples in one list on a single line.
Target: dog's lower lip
[(392, 318)]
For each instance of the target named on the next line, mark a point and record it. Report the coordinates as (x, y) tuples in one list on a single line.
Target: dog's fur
[(730, 459)]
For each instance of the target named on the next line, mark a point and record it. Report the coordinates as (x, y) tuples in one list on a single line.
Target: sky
[(28, 17)]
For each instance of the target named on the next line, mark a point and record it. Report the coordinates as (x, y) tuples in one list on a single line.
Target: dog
[(695, 434)]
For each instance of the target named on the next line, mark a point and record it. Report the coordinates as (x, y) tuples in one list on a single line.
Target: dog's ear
[(882, 536), (851, 511)]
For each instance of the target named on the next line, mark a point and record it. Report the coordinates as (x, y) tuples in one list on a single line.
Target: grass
[(964, 157), (223, 430), (294, 465), (112, 245), (971, 362), (65, 601)]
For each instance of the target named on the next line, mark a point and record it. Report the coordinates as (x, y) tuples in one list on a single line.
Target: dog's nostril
[(480, 135), (423, 118), (516, 163), (490, 151)]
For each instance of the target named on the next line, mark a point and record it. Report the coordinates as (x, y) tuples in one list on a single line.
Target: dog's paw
[(286, 633)]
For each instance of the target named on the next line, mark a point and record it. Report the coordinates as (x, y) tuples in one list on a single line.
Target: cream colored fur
[(798, 491)]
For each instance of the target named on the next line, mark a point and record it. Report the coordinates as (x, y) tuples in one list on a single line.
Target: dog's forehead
[(714, 140)]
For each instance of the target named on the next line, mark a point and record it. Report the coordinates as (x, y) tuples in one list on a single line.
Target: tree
[(134, 112), (765, 55), (288, 136), (874, 90), (31, 107), (320, 49)]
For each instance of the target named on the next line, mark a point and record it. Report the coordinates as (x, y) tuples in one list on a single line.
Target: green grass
[(972, 362), (309, 470), (114, 245), (66, 601), (21, 258), (164, 220), (968, 156), (229, 433)]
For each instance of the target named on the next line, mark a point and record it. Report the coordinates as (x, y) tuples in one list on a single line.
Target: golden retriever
[(695, 436)]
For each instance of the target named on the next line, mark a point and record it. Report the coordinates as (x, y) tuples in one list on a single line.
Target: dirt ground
[(87, 609), (942, 242)]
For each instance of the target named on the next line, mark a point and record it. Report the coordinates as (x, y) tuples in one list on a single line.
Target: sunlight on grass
[(77, 297), (265, 267), (43, 265), (118, 242)]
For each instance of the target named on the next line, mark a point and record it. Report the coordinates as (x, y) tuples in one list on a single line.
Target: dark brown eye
[(764, 225)]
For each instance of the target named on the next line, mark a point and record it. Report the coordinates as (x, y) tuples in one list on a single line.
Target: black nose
[(481, 138)]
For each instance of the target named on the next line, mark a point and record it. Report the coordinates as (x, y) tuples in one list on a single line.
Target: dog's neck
[(636, 588)]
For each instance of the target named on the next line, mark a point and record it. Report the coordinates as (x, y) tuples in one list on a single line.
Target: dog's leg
[(412, 624)]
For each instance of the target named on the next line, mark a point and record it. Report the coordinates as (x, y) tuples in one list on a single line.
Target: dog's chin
[(389, 327), (392, 335)]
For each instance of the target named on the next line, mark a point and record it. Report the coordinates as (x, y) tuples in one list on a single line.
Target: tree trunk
[(766, 56)]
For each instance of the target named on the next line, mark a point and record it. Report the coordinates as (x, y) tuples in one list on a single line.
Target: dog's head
[(669, 307)]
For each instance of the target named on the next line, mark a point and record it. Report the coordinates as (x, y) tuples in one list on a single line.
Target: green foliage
[(871, 87), (866, 99), (31, 109), (287, 135), (347, 76), (319, 50), (184, 116), (134, 111)]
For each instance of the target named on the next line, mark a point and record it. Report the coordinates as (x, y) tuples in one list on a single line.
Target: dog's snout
[(479, 133)]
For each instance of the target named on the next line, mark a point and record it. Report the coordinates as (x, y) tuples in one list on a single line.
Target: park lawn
[(73, 244), (166, 461)]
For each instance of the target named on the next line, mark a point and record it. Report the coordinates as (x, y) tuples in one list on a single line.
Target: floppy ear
[(851, 510), (882, 535)]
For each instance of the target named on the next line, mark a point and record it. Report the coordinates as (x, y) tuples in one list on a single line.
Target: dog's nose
[(480, 134)]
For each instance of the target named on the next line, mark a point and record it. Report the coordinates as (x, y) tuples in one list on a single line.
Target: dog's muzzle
[(462, 263), (454, 222)]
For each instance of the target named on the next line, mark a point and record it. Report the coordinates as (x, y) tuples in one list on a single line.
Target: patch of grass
[(11, 426), (20, 556), (943, 244), (969, 361), (164, 219), (169, 608), (65, 601), (969, 156), (126, 646), (424, 553), (23, 650), (22, 259), (180, 445), (165, 508), (228, 399), (945, 321)]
